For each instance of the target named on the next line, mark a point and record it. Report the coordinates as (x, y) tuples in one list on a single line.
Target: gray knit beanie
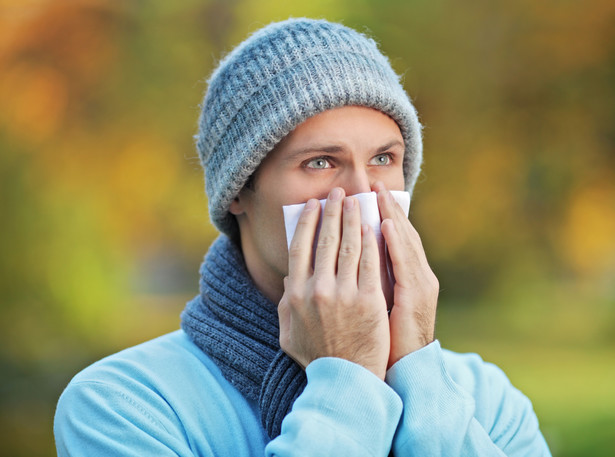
[(280, 76)]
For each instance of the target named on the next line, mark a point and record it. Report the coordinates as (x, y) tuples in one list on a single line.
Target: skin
[(337, 308)]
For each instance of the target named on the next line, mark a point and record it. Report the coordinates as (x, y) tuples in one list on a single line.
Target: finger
[(350, 246), (391, 238), (407, 237), (406, 253), (390, 209), (301, 246), (329, 237), (388, 206), (369, 265)]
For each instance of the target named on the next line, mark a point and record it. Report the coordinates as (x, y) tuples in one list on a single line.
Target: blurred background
[(103, 219)]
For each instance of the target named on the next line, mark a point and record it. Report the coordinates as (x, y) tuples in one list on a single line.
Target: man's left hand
[(415, 296)]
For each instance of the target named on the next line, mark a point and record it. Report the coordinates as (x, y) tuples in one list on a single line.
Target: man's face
[(350, 147)]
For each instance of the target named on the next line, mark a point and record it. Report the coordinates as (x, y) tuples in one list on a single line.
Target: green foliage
[(104, 215)]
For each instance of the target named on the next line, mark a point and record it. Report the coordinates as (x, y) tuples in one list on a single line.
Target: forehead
[(351, 127)]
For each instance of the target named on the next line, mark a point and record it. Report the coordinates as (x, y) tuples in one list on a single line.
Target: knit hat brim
[(318, 78)]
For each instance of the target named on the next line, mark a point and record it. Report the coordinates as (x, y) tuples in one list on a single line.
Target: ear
[(237, 205)]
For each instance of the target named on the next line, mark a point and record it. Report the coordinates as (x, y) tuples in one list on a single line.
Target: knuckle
[(431, 281), (294, 297), (428, 292), (326, 240), (331, 210), (295, 249), (368, 267), (294, 244), (304, 219), (293, 294), (322, 293), (435, 283), (347, 250), (370, 289)]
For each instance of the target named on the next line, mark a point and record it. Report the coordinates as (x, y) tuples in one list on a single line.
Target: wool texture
[(237, 326), (280, 76)]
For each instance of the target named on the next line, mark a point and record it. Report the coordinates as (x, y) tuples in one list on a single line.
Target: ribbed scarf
[(238, 328)]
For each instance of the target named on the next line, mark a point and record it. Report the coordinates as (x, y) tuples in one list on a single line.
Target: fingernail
[(336, 194), (348, 203), (311, 204)]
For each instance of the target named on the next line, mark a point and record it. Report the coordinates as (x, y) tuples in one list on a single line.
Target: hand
[(336, 309), (415, 295)]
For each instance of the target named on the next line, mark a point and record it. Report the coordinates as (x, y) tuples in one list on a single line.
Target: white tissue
[(368, 202)]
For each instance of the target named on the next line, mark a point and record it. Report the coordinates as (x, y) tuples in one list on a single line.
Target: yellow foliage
[(142, 177), (257, 13), (588, 235), (478, 200), (35, 98), (145, 170), (51, 54), (571, 33)]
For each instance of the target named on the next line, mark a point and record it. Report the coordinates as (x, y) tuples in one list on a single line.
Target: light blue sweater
[(167, 398)]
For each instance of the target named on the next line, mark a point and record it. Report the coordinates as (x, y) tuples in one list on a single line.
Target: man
[(296, 351)]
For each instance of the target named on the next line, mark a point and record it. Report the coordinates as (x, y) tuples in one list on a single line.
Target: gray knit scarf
[(235, 325)]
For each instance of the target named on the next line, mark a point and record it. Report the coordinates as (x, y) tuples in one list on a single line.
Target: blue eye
[(381, 159), (319, 163)]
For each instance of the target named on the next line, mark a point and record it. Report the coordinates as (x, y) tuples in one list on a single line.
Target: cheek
[(270, 227), (304, 187), (393, 178)]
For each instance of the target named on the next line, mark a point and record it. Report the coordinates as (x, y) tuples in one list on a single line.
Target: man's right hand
[(337, 308)]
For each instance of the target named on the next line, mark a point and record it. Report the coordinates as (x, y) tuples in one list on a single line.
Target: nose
[(356, 181)]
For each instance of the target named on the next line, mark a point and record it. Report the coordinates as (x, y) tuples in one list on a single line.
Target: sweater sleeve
[(467, 409), (344, 410)]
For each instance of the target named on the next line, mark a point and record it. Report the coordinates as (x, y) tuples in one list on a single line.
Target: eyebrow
[(332, 149), (389, 145)]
